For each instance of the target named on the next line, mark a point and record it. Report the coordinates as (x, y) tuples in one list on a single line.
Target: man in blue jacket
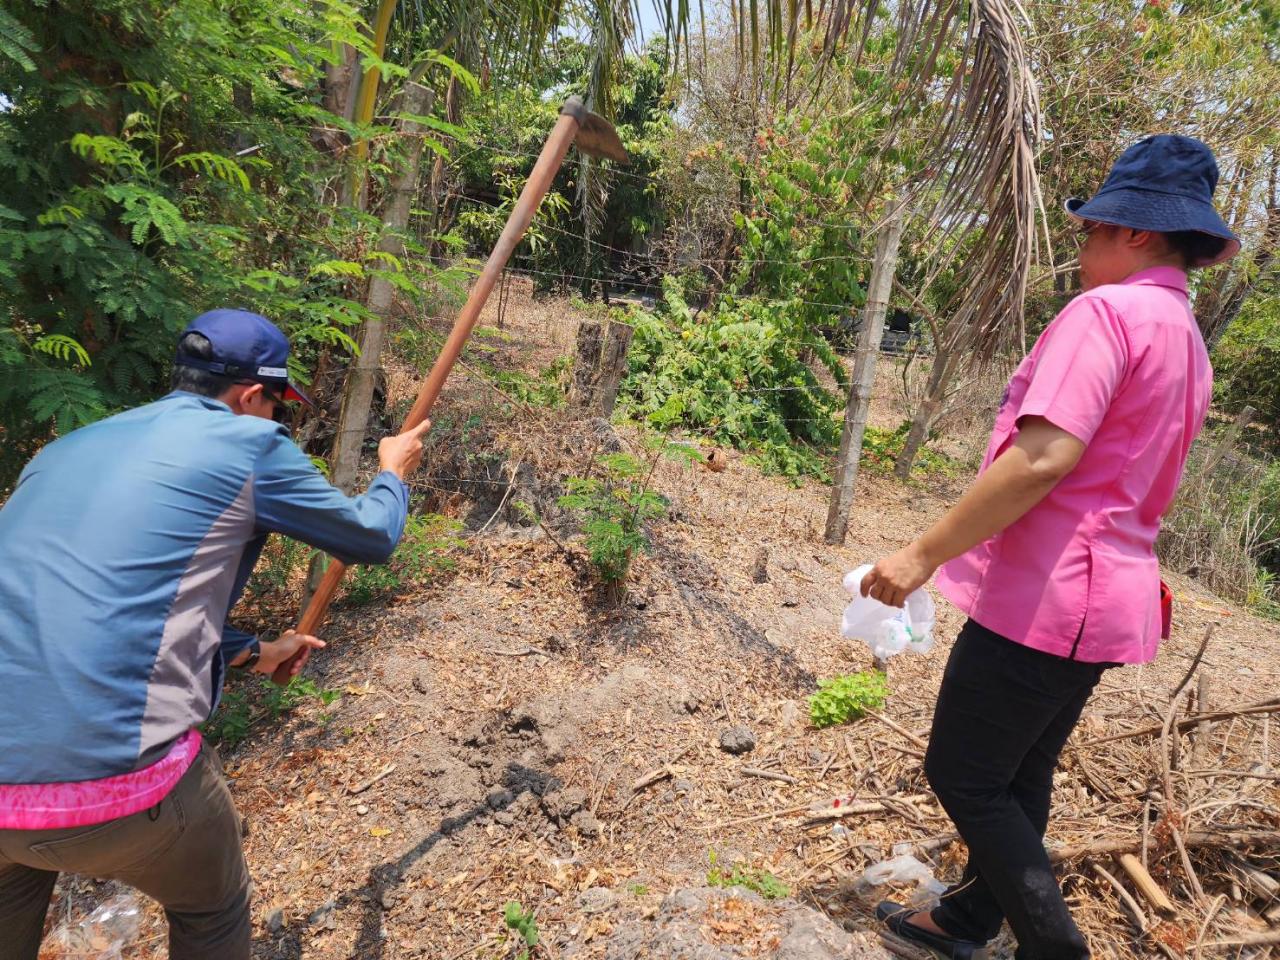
[(122, 549)]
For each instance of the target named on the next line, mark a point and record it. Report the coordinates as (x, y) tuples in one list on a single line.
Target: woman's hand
[(276, 652), (897, 575)]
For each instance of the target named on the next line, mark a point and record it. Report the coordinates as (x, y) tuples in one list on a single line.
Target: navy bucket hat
[(246, 346), (1164, 183)]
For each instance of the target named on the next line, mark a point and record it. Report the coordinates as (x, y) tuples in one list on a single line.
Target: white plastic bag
[(905, 868), (887, 630), (106, 934)]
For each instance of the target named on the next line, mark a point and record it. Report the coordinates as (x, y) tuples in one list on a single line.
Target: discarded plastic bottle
[(107, 933)]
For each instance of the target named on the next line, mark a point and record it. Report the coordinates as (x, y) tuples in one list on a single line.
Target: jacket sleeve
[(233, 640), (292, 497)]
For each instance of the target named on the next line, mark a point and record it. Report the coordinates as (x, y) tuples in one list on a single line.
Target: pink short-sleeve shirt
[(1124, 369)]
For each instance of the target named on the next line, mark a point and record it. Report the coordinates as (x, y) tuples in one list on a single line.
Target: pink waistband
[(49, 806)]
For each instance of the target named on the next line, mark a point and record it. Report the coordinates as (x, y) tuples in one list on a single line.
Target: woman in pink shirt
[(1051, 551)]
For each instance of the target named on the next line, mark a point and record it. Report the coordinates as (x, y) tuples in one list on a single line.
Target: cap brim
[(1071, 205), (294, 394)]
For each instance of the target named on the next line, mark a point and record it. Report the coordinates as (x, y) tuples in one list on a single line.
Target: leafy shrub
[(841, 699), (136, 191), (739, 375), (1247, 357), (615, 507), (756, 879), (424, 553), (880, 449)]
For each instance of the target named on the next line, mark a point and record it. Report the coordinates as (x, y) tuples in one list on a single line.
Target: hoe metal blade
[(596, 135)]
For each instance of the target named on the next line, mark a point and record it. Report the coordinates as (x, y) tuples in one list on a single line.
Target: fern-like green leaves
[(16, 42)]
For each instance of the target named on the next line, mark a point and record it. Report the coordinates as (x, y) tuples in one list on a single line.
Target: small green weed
[(638, 890), (756, 879), (523, 924), (548, 389), (841, 699), (230, 724), (281, 557), (281, 700), (424, 553), (245, 703), (615, 507)]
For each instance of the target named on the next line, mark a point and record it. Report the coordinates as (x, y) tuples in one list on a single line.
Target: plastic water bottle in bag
[(887, 630)]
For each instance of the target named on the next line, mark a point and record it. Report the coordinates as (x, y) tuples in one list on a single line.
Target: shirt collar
[(208, 402), (1170, 277)]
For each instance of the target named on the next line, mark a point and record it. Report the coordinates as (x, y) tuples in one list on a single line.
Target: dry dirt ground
[(494, 726)]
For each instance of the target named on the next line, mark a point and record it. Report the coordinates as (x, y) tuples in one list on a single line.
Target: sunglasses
[(281, 408), (1082, 234)]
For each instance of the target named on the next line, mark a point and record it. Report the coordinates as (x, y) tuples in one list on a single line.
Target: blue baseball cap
[(246, 347), (1164, 183)]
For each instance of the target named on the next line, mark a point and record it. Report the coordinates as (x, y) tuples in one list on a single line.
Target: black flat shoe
[(895, 917)]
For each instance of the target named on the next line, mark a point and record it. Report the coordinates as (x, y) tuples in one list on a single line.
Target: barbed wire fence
[(1226, 548)]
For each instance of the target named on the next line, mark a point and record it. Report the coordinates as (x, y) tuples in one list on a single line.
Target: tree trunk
[(362, 375), (342, 84), (443, 216), (925, 415), (863, 377), (242, 100), (357, 394)]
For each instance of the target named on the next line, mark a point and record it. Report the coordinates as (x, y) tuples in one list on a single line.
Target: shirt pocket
[(1010, 406)]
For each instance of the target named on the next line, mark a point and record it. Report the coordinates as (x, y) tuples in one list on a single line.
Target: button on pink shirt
[(1124, 369)]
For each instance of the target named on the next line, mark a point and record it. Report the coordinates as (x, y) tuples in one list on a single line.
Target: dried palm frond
[(981, 172)]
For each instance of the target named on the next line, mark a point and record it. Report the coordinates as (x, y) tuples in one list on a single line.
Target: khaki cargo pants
[(184, 853)]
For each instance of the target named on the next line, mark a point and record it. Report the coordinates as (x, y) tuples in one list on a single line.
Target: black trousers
[(1004, 713)]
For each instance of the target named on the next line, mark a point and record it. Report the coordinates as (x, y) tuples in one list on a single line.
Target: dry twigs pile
[(1167, 831), (1177, 825)]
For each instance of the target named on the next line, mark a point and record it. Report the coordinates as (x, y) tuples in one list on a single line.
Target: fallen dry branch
[(1265, 706), (1196, 839), (382, 774), (1146, 884)]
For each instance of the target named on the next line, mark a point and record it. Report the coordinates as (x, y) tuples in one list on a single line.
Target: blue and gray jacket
[(122, 549)]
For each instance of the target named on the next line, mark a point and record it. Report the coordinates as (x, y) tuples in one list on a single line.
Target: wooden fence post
[(586, 363), (863, 375), (613, 366)]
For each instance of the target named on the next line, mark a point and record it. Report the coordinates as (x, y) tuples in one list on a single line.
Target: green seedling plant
[(841, 699), (523, 924), (615, 505), (230, 725), (756, 879)]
